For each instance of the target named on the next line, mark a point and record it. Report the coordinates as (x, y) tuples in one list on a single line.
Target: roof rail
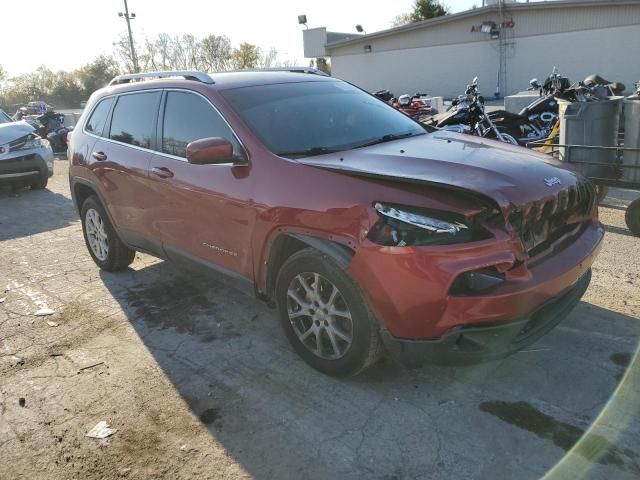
[(187, 74), (310, 70)]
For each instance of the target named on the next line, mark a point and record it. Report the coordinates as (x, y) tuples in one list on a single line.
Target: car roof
[(222, 81)]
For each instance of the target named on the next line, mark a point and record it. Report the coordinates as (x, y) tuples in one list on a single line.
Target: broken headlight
[(406, 226), (32, 141)]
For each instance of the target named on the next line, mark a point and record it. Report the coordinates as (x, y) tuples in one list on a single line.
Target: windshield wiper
[(309, 152), (388, 138)]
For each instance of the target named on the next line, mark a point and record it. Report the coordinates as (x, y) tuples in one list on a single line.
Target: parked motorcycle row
[(48, 124), (467, 113)]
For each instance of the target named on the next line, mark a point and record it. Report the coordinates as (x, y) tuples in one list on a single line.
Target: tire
[(632, 217), (601, 192), (356, 343), (509, 137), (106, 249), (40, 184)]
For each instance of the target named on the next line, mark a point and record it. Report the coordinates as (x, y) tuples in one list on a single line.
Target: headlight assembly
[(33, 141), (408, 226)]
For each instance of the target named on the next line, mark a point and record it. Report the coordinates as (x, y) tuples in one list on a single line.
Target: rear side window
[(133, 118), (189, 117), (96, 121)]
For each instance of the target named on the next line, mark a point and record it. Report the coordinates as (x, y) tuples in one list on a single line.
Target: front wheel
[(40, 184), (324, 315), (632, 217), (601, 192)]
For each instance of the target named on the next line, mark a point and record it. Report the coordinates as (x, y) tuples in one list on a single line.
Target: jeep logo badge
[(551, 181)]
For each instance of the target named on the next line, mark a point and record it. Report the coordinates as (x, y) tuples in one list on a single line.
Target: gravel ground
[(199, 381)]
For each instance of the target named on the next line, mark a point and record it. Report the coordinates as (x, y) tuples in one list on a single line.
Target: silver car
[(25, 157)]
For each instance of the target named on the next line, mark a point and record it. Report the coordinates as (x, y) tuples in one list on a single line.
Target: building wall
[(445, 70), (442, 58)]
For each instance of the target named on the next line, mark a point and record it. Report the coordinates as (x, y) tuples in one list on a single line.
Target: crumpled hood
[(510, 175), (14, 130)]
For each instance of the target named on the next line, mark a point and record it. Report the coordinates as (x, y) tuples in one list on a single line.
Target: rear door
[(121, 161), (202, 212)]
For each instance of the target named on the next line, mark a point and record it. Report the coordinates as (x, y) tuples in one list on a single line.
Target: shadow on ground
[(46, 211), (226, 356)]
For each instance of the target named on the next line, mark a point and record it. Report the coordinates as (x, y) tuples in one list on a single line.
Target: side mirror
[(533, 82), (211, 150)]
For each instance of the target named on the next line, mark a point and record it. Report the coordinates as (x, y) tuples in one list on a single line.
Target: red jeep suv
[(364, 227)]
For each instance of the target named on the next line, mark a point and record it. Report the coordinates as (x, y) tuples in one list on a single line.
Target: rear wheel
[(632, 217), (106, 249), (325, 317)]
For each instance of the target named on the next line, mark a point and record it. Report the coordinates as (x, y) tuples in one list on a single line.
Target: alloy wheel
[(319, 316), (96, 234)]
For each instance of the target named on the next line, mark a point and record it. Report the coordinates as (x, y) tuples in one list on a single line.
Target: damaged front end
[(409, 226)]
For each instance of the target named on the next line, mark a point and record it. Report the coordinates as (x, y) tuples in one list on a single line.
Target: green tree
[(216, 53), (323, 64), (422, 10), (246, 55), (97, 74)]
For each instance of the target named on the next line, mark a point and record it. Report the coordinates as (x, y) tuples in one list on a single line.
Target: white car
[(25, 157)]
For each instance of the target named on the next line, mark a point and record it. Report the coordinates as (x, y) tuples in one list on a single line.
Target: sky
[(66, 35)]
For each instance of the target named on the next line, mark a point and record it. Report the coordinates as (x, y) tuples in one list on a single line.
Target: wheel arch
[(286, 244), (81, 189)]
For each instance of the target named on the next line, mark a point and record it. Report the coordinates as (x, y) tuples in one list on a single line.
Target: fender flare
[(335, 250), (87, 183)]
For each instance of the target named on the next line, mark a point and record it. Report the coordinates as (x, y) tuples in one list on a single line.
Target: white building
[(504, 44)]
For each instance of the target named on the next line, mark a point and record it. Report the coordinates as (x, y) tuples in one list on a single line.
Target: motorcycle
[(467, 115), (536, 121), (417, 106), (50, 125)]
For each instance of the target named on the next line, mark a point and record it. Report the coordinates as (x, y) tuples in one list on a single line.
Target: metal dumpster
[(592, 124)]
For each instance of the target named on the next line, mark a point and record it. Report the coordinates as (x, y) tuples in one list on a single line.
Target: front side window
[(133, 118), (189, 117), (314, 117), (96, 121)]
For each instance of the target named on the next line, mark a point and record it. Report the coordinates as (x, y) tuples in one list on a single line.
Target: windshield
[(4, 118), (311, 118)]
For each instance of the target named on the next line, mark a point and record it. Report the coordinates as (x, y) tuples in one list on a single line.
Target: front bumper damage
[(474, 344), (410, 291), (25, 166)]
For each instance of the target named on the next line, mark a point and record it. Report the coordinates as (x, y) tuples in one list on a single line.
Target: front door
[(201, 211)]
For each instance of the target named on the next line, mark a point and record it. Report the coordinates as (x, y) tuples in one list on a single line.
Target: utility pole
[(128, 17)]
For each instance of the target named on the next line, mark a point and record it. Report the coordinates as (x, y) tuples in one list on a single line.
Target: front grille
[(539, 222), (18, 143)]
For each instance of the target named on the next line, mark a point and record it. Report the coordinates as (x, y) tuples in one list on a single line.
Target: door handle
[(100, 156), (162, 172)]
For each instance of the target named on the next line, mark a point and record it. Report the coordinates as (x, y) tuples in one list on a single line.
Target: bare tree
[(122, 50), (269, 59)]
